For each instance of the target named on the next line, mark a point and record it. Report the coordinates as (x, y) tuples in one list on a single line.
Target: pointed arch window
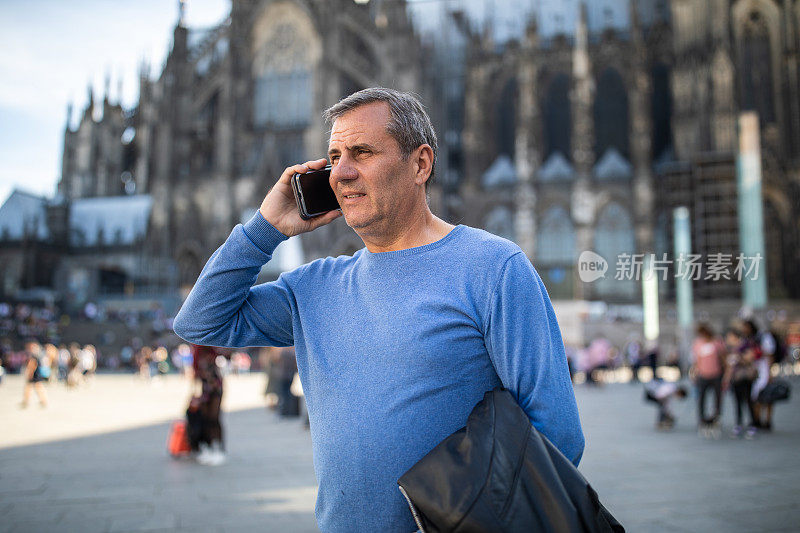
[(661, 111), (506, 119), (555, 238), (558, 117), (500, 221), (774, 235), (283, 99), (755, 72), (611, 114), (555, 252), (614, 236)]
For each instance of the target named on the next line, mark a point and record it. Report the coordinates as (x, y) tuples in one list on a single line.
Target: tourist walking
[(37, 371)]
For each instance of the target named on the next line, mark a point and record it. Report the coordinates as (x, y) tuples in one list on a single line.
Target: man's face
[(373, 182)]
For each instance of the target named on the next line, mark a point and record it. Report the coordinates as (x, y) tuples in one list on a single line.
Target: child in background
[(662, 393)]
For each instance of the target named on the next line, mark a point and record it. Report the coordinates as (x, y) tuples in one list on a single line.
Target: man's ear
[(423, 159)]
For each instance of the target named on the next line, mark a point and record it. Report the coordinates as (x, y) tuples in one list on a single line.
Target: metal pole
[(650, 301), (751, 218), (683, 281)]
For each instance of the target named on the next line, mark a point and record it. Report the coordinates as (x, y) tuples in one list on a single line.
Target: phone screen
[(316, 193)]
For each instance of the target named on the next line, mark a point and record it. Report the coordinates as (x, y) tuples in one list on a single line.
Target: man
[(396, 344)]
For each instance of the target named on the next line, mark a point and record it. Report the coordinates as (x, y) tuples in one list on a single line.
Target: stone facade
[(615, 127), (94, 155), (233, 106)]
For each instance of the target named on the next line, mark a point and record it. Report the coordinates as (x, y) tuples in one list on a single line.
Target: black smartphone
[(313, 193)]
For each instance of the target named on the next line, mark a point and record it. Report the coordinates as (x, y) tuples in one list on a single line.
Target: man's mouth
[(358, 195)]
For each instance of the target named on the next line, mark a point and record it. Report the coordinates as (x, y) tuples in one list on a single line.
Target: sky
[(52, 51)]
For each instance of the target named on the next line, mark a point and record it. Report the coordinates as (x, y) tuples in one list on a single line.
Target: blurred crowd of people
[(23, 320), (41, 360), (74, 364), (600, 360), (23, 323), (600, 357), (43, 363), (745, 362), (741, 362)]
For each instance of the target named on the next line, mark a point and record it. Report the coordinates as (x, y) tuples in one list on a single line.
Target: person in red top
[(206, 371), (708, 354)]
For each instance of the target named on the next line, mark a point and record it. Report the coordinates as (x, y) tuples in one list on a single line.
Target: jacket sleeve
[(524, 342), (225, 309)]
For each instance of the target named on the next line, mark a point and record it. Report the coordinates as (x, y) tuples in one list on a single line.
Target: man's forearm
[(524, 342), (215, 313)]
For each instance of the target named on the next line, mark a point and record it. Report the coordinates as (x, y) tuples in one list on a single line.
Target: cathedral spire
[(69, 115), (636, 23), (181, 12), (582, 31), (532, 31), (89, 111), (144, 69), (637, 32), (107, 88), (582, 99)]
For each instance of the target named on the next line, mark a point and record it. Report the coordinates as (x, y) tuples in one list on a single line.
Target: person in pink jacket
[(708, 365)]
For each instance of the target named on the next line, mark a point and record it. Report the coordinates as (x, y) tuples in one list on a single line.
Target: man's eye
[(334, 158)]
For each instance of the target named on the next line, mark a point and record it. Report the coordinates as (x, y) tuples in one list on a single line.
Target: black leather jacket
[(500, 474)]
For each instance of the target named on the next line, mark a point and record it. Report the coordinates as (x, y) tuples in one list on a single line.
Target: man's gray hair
[(409, 124)]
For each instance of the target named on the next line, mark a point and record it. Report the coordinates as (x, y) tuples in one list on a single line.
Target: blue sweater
[(394, 350)]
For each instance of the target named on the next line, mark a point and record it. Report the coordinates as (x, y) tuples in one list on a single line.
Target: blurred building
[(563, 125), (84, 249), (232, 106), (587, 123)]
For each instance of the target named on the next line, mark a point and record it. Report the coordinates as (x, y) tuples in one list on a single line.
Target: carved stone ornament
[(282, 50), (284, 40)]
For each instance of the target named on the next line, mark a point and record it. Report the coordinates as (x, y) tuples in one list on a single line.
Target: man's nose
[(342, 171)]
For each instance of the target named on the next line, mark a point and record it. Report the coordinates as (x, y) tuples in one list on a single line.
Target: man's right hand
[(279, 207)]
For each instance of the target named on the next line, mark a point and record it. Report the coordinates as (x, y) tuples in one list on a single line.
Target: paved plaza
[(95, 460)]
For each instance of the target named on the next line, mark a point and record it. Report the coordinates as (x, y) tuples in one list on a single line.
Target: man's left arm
[(525, 345)]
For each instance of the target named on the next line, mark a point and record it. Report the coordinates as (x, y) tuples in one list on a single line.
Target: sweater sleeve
[(524, 342), (225, 309)]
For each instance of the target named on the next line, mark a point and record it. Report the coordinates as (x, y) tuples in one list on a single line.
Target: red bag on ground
[(178, 441)]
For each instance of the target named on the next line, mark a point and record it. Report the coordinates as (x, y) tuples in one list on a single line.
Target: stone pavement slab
[(95, 460)]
